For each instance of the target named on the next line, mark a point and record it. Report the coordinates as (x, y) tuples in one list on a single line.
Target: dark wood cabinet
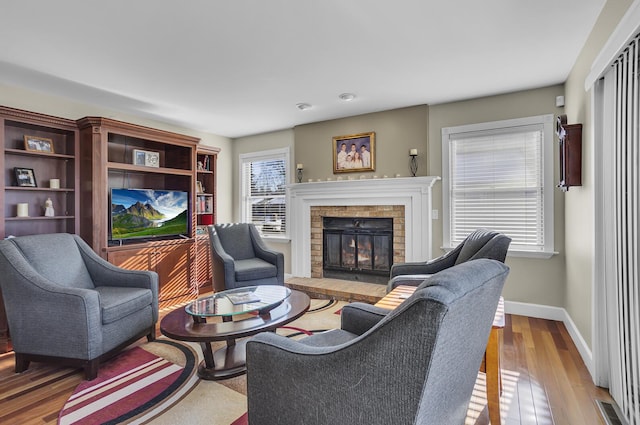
[(108, 160), (57, 162), (570, 151), (206, 206), (172, 260), (55, 159)]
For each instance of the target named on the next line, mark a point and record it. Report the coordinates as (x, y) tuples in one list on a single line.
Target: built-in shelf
[(57, 217), (39, 154), (39, 189)]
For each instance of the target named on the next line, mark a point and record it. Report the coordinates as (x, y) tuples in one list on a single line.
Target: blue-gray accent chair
[(416, 364), (239, 257), (65, 304), (481, 243)]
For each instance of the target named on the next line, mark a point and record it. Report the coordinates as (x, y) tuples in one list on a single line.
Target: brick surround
[(396, 212)]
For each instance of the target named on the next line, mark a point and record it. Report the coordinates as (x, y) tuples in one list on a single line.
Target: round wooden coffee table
[(230, 360)]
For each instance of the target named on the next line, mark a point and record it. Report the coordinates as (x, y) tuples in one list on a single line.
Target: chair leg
[(151, 336), (22, 363), (91, 370)]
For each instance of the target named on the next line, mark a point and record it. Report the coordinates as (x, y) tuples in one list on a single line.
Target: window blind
[(265, 195), (497, 182)]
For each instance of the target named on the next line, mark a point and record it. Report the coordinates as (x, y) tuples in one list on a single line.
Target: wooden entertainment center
[(90, 157)]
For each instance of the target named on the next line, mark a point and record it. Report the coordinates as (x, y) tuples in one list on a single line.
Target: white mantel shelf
[(414, 193)]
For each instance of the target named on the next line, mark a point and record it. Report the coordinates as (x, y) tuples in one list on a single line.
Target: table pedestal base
[(226, 362)]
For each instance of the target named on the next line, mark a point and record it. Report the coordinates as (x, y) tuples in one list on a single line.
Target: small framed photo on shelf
[(146, 158), (38, 144), (25, 177), (199, 187)]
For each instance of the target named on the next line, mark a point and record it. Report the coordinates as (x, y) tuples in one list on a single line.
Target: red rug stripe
[(304, 331), (134, 379), (242, 420)]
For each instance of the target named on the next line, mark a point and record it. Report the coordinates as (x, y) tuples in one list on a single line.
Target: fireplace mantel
[(414, 193)]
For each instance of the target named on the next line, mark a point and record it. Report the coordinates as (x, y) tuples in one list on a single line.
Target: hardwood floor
[(544, 382), (544, 378)]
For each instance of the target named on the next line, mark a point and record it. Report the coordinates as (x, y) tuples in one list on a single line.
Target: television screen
[(148, 213)]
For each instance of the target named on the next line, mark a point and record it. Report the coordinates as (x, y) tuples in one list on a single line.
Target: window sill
[(276, 239), (542, 255)]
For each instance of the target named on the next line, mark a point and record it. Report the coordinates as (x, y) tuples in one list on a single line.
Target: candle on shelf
[(23, 210), (299, 172), (413, 152), (54, 183)]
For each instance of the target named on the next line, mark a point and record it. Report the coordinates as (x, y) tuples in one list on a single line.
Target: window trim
[(546, 121), (280, 153)]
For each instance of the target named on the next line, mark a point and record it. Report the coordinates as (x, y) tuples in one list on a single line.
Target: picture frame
[(146, 158), (199, 187), (38, 144), (25, 177), (354, 153)]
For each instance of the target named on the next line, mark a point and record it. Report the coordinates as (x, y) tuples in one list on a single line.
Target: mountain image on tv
[(142, 213)]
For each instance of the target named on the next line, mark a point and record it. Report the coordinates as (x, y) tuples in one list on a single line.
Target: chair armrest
[(431, 267), (428, 267), (32, 300), (66, 312), (223, 267), (406, 279), (266, 254), (358, 318)]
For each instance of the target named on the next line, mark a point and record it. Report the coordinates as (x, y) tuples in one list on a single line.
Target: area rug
[(188, 399), (134, 386)]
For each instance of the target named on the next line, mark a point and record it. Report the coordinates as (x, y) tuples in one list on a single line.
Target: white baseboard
[(558, 314)]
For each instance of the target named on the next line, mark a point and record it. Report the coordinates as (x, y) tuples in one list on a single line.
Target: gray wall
[(534, 281), (397, 131)]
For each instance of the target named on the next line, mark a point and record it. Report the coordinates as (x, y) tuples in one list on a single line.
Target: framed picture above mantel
[(354, 153)]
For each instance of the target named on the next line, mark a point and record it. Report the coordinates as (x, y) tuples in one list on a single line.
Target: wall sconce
[(413, 163), (299, 169)]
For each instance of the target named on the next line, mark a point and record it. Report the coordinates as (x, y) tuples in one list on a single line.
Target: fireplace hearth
[(358, 248)]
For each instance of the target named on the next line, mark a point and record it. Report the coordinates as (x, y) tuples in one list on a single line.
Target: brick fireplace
[(395, 212), (406, 200)]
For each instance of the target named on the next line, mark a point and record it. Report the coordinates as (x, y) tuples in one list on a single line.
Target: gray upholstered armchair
[(67, 305), (416, 364), (240, 258), (482, 243)]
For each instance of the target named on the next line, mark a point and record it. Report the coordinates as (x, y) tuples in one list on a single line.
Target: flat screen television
[(148, 213)]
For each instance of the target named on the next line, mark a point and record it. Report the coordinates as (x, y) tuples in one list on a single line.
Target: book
[(242, 298)]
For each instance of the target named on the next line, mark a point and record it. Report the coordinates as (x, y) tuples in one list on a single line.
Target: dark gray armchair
[(67, 305), (240, 258), (416, 364), (482, 243)]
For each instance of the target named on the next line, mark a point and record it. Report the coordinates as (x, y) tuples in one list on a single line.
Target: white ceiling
[(239, 67)]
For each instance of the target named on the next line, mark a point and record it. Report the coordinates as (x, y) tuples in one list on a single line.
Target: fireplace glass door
[(358, 249)]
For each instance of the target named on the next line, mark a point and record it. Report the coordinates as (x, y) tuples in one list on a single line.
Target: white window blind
[(264, 179), (495, 178)]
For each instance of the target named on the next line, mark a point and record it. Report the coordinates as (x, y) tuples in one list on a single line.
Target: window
[(264, 176), (499, 175)]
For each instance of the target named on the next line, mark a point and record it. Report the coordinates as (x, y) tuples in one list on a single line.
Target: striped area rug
[(134, 386)]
